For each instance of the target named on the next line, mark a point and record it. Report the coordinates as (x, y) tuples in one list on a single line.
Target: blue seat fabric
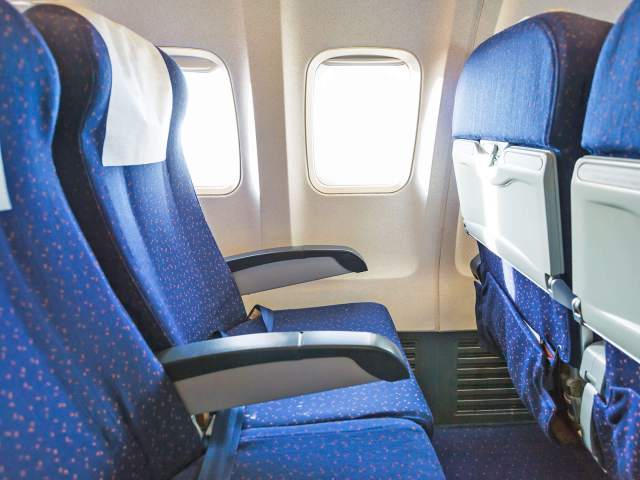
[(364, 449), (501, 329), (611, 129), (148, 232), (398, 399), (613, 116), (143, 222), (528, 86), (82, 395)]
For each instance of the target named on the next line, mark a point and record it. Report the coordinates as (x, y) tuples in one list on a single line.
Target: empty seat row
[(543, 149), (141, 217), (118, 315)]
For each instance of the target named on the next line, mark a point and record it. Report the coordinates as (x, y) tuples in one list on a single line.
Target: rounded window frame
[(415, 69), (199, 53)]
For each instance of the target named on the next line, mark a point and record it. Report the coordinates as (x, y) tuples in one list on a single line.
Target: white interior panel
[(400, 234), (509, 202), (605, 207)]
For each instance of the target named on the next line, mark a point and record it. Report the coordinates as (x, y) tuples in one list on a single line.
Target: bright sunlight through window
[(210, 127), (362, 121)]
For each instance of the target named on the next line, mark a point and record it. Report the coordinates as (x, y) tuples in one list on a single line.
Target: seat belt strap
[(265, 314), (261, 312), (222, 445)]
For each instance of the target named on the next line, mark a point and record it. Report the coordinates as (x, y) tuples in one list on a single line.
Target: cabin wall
[(401, 234)]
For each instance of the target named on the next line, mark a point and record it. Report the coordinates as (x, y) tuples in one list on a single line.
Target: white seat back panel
[(510, 204), (605, 203)]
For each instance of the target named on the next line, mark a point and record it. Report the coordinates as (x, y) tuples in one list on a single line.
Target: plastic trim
[(346, 257), (605, 210), (374, 353)]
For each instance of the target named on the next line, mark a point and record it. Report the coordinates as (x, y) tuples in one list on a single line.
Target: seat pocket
[(501, 328)]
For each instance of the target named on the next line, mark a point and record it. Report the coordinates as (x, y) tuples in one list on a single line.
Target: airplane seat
[(606, 234), (137, 207), (82, 394), (79, 386), (517, 122)]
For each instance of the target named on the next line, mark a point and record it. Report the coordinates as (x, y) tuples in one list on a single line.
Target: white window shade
[(362, 114), (210, 128)]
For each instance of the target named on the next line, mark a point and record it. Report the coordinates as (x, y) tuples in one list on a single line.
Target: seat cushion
[(375, 448), (352, 317), (402, 399)]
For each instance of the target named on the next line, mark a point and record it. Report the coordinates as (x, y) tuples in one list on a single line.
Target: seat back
[(606, 233), (606, 193), (136, 205), (81, 393), (517, 123)]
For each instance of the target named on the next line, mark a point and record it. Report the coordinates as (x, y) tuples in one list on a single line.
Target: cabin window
[(362, 116), (210, 129)]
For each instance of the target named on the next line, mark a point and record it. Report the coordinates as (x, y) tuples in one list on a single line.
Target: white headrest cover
[(5, 201), (141, 99)]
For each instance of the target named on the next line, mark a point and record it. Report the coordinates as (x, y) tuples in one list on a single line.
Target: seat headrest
[(528, 85), (139, 88), (612, 123)]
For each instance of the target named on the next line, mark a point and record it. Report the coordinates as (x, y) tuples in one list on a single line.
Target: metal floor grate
[(483, 384)]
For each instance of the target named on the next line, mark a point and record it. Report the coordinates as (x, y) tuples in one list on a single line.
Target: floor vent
[(484, 388), (409, 347)]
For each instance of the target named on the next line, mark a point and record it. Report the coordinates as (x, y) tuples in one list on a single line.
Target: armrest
[(226, 372), (278, 267)]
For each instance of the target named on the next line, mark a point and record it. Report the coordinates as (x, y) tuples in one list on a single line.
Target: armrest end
[(232, 371), (279, 267)]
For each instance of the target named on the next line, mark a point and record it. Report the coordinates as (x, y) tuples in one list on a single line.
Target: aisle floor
[(510, 452)]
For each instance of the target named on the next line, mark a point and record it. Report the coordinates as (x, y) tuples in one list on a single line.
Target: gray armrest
[(232, 371), (278, 267)]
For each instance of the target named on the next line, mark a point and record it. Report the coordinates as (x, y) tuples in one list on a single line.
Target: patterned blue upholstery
[(501, 329), (543, 314), (611, 129), (398, 399), (363, 449), (528, 86), (81, 393), (613, 116), (143, 222), (146, 227)]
